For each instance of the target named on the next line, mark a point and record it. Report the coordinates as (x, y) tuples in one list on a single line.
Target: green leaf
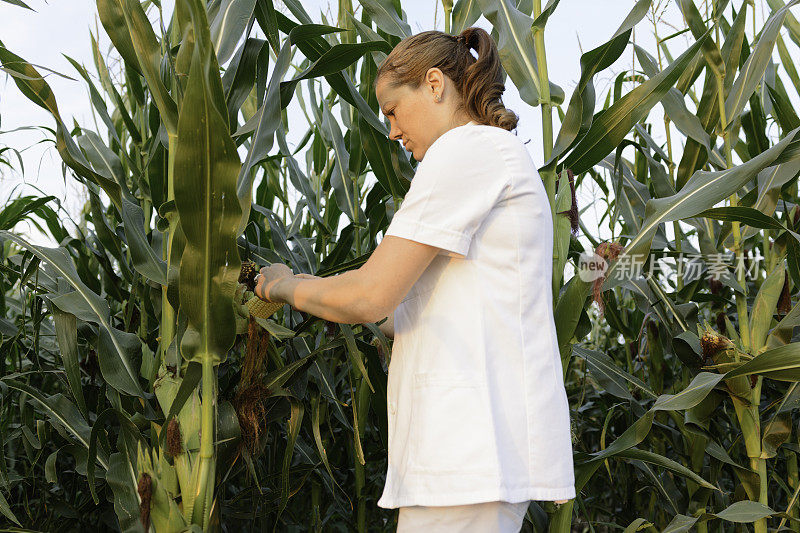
[(117, 349), (780, 364), (791, 23), (64, 415), (33, 86), (113, 20), (385, 16), (764, 306), (6, 510), (580, 112), (703, 190), (664, 462), (147, 50), (293, 428), (228, 26), (517, 51), (745, 511), (613, 124), (698, 28), (356, 357), (746, 215), (753, 69), (345, 187), (205, 176), (674, 104), (66, 325), (613, 379)]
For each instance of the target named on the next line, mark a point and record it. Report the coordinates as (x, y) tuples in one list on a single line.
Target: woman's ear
[(434, 80)]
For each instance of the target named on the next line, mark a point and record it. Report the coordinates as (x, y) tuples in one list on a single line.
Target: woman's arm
[(338, 298), (387, 328), (357, 296)]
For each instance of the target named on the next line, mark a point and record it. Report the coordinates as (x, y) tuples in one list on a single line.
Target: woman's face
[(416, 118)]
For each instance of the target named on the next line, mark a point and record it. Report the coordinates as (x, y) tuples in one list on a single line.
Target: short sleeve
[(458, 182)]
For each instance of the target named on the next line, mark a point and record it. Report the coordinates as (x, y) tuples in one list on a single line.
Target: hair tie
[(461, 39)]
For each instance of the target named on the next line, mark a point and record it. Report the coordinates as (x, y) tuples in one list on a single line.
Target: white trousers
[(487, 517)]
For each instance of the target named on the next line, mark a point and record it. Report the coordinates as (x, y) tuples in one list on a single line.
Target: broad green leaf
[(791, 23), (243, 73), (113, 19), (613, 124), (292, 429), (698, 28), (345, 187), (782, 333), (787, 62), (693, 394), (268, 119), (702, 191), (674, 104), (20, 208), (33, 86), (97, 430), (206, 168), (147, 50), (117, 349), (664, 462), (517, 51), (106, 163), (465, 14), (580, 112), (6, 510), (745, 511), (764, 307), (770, 181), (782, 108), (747, 215), (379, 155), (228, 26), (780, 364), (385, 16), (122, 479), (778, 429), (66, 325), (694, 154), (613, 379), (356, 357), (62, 413), (540, 22), (753, 69), (313, 48), (333, 61)]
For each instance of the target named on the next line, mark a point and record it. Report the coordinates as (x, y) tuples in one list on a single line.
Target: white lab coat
[(477, 409)]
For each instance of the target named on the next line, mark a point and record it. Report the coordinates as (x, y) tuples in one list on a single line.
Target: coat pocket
[(452, 428)]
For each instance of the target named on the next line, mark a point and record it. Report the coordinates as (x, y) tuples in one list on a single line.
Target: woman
[(477, 410)]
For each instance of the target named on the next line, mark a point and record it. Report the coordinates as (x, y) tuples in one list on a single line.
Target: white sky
[(63, 26)]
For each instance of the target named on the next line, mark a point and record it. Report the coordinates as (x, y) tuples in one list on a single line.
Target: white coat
[(477, 409)]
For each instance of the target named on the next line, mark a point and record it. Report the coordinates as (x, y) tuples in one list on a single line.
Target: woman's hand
[(268, 276)]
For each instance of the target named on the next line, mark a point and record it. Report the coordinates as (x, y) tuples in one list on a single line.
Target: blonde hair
[(478, 82)]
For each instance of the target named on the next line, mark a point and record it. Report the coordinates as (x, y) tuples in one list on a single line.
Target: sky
[(62, 28)]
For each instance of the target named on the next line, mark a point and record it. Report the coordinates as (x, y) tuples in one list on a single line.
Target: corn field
[(140, 392)]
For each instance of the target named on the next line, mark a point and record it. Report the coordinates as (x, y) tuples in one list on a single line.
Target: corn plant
[(176, 407)]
